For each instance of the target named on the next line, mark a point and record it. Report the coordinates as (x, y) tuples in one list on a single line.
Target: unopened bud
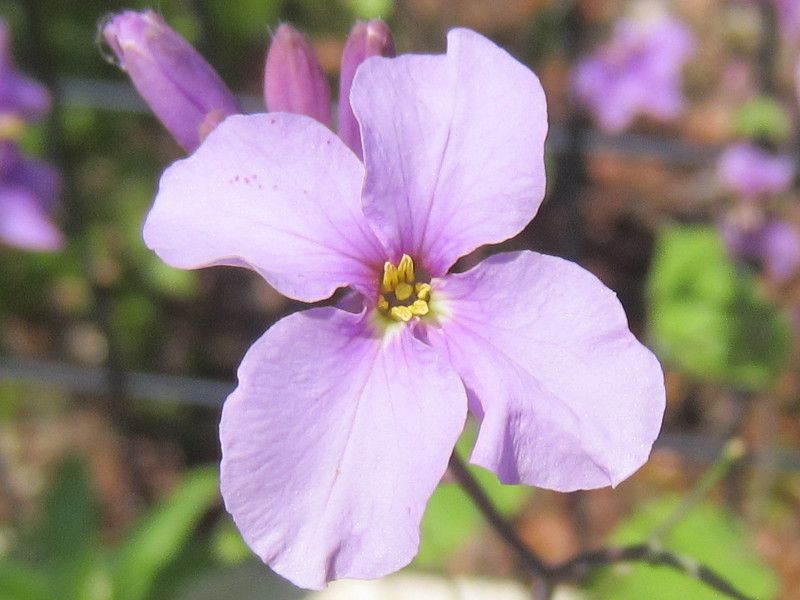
[(293, 78), (181, 88), (365, 40)]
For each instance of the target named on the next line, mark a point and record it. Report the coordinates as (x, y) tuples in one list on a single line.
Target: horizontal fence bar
[(79, 379), (122, 97), (209, 393)]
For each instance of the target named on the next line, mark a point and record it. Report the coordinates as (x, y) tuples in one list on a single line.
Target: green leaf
[(19, 582), (707, 534), (706, 316), (372, 9), (451, 518), (762, 118), (227, 544), (65, 541), (160, 535)]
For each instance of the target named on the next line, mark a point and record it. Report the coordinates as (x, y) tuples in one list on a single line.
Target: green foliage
[(63, 559), (371, 9), (707, 317), (66, 539), (762, 118), (451, 518), (707, 534), (20, 582), (227, 544), (160, 535)]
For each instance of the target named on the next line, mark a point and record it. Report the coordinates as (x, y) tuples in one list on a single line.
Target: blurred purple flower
[(179, 86), (637, 72), (343, 422), (28, 192), (788, 15), (750, 172), (28, 188), (766, 241), (21, 98)]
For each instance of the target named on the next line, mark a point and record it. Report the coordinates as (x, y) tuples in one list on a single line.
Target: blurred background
[(671, 175)]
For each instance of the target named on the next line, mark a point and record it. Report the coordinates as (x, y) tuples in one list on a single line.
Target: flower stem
[(474, 490), (579, 566)]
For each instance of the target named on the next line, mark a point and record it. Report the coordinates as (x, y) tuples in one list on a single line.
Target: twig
[(470, 485), (579, 566), (733, 452)]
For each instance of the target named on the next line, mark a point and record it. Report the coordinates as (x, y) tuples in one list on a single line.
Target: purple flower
[(765, 240), (637, 72), (343, 422), (180, 87), (788, 13), (751, 172), (21, 98), (28, 191)]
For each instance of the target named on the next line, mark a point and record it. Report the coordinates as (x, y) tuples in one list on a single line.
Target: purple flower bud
[(365, 40), (181, 88), (293, 78)]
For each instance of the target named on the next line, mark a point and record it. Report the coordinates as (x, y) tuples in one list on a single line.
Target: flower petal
[(277, 193), (24, 222), (568, 398), (333, 443), (453, 147)]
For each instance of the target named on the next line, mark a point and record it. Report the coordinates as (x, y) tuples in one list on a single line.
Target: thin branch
[(470, 485), (578, 567)]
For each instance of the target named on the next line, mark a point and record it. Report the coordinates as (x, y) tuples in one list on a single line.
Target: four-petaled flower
[(343, 420)]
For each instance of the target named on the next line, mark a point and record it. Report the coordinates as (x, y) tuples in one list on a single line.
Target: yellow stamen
[(419, 308), (11, 127), (401, 298), (389, 277), (403, 291), (401, 313), (423, 290), (405, 269)]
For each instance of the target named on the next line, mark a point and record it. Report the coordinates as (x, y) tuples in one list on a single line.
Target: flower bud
[(181, 88), (293, 78), (365, 40)]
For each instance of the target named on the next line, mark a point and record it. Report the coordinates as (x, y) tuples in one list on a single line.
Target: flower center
[(402, 296)]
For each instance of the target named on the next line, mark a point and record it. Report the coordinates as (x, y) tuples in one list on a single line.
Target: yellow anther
[(401, 313), (419, 308), (401, 298), (389, 278), (405, 269), (11, 127), (403, 291), (423, 291)]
